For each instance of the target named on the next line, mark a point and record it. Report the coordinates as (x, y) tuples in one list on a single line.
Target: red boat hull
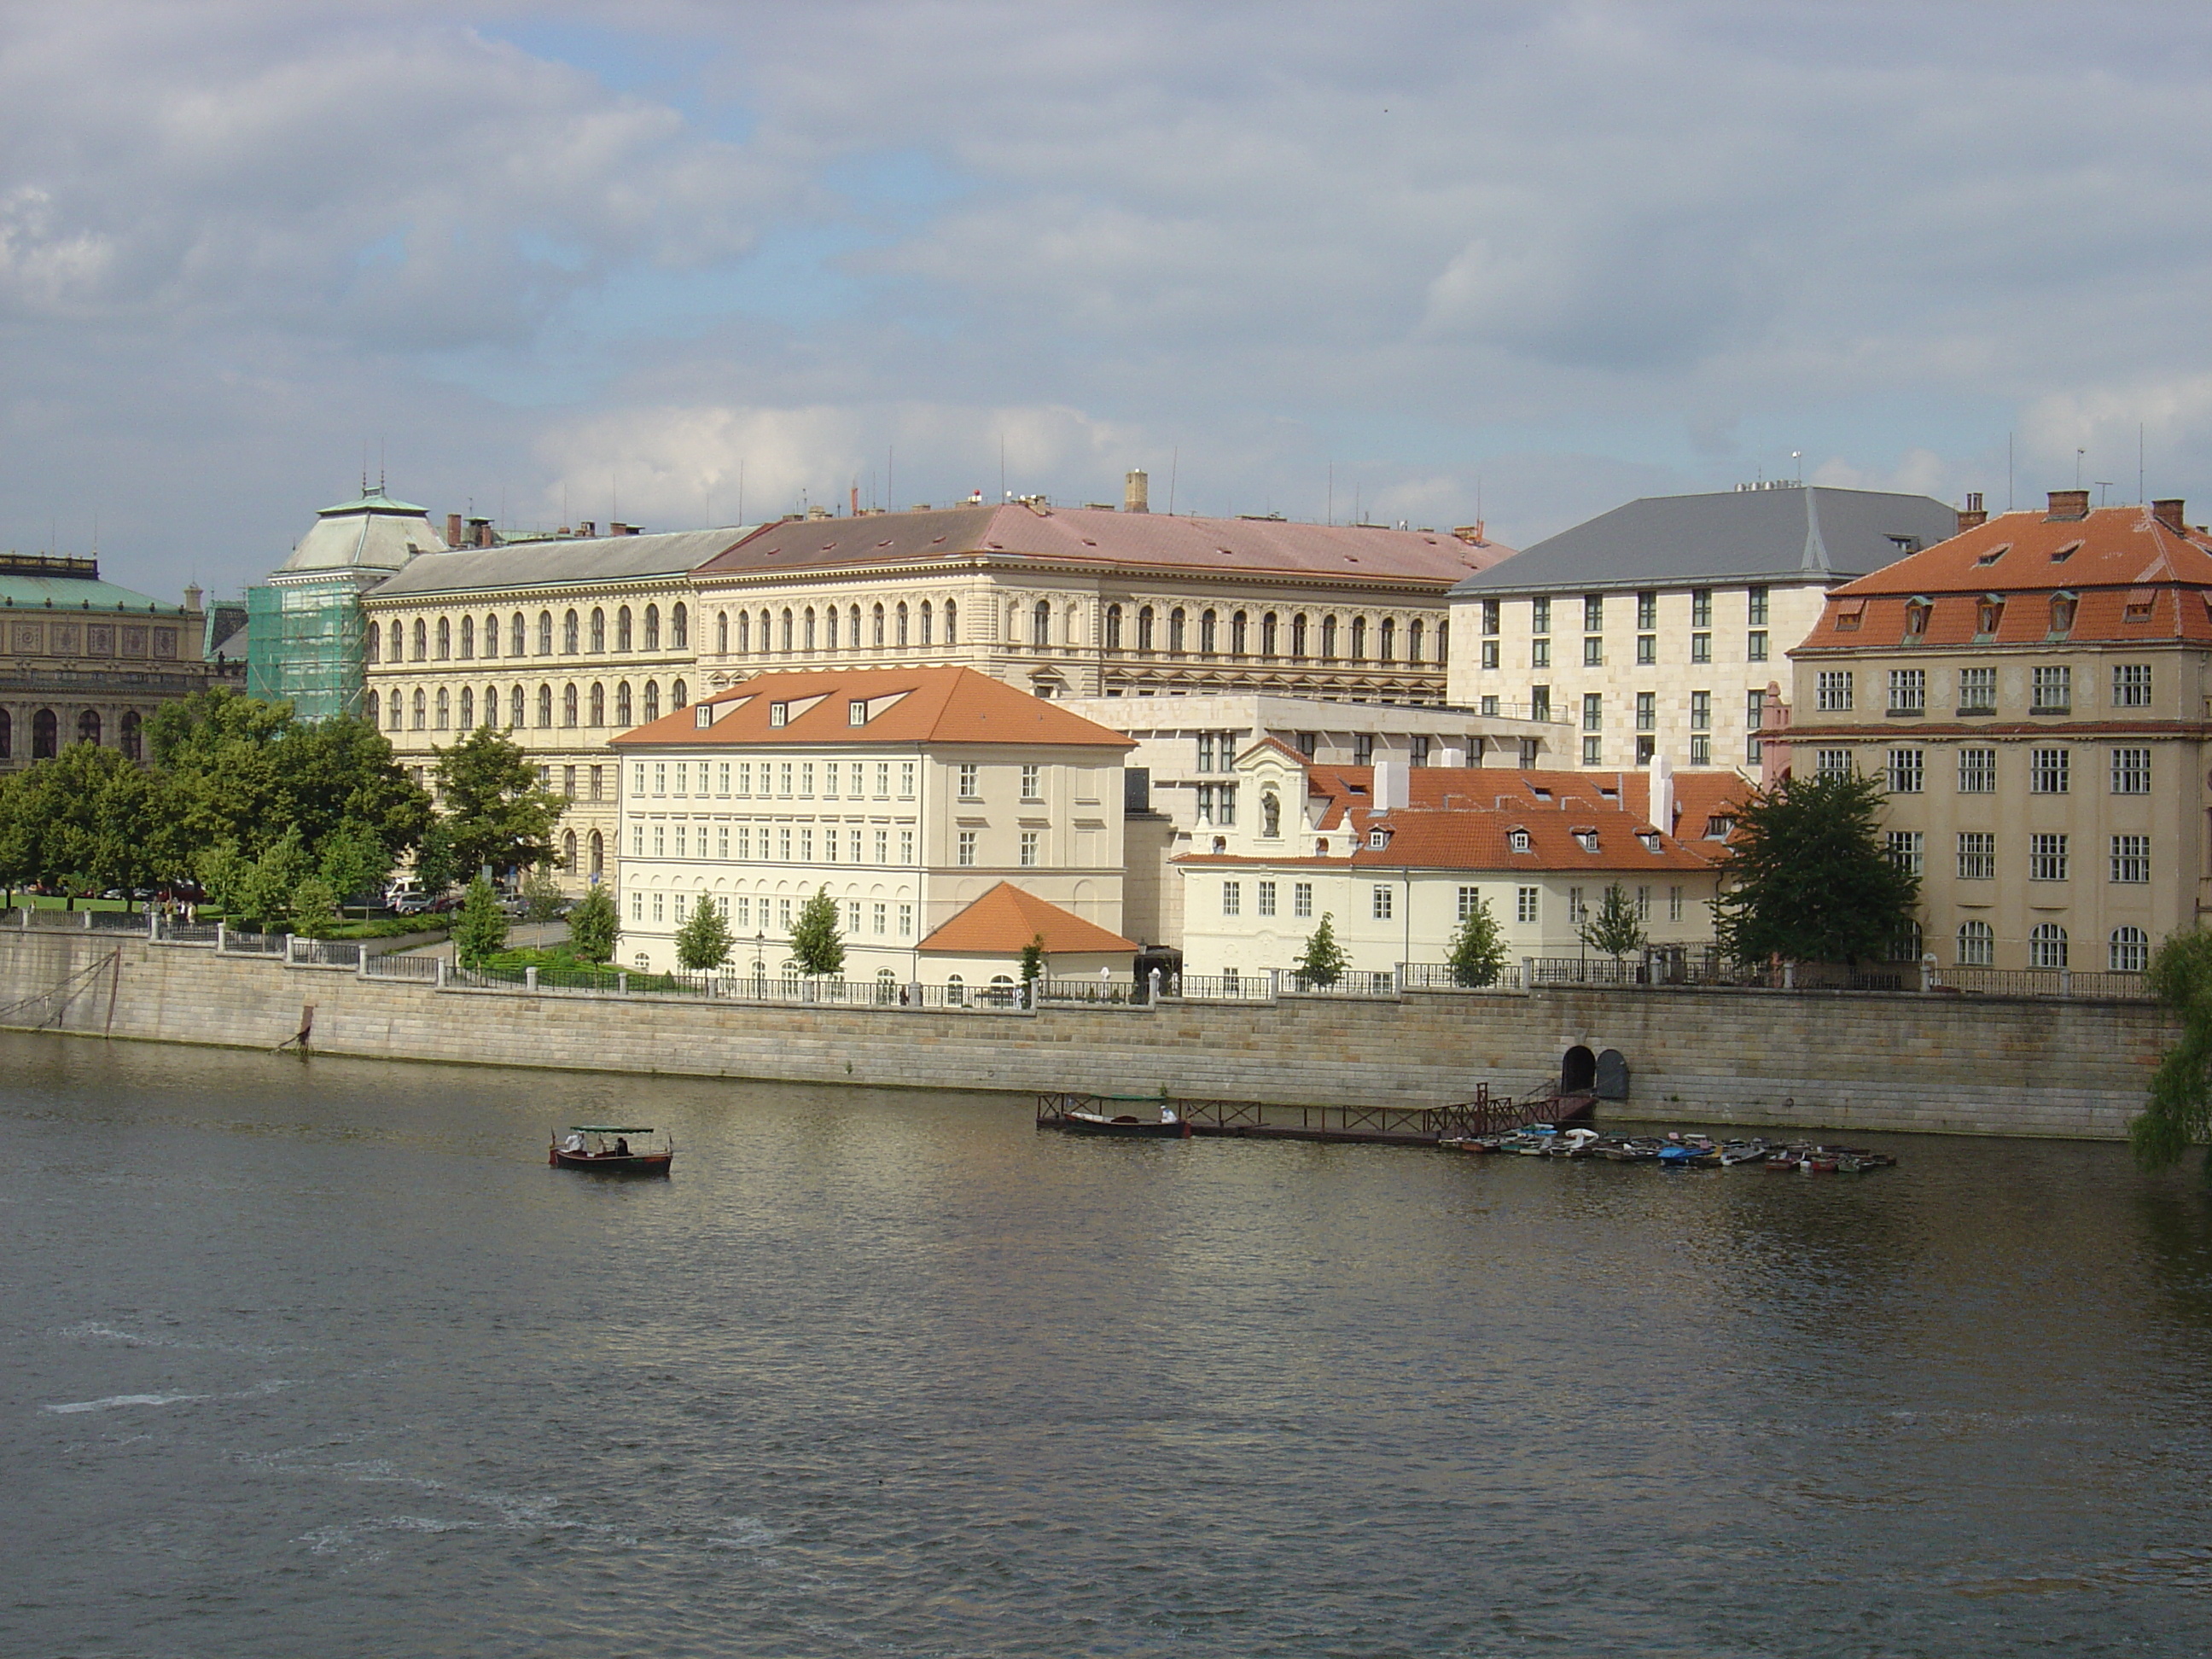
[(629, 1163)]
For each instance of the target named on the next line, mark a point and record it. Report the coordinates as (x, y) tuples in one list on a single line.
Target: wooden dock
[(1381, 1126)]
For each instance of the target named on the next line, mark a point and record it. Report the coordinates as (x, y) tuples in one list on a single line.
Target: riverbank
[(1796, 1059)]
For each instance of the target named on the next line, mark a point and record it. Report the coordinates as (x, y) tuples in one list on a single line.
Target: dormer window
[(779, 714), (1917, 610), (2065, 553), (703, 716), (1649, 838), (1849, 613), (1516, 841), (1379, 838), (1995, 553), (2062, 612), (1587, 840), (856, 711), (1989, 613), (2141, 601), (1719, 827)]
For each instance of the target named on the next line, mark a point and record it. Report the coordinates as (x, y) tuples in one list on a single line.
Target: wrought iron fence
[(326, 952), (1585, 971), (2041, 982), (1220, 987), (187, 932), (390, 966), (1105, 993), (1443, 976), (1351, 982), (252, 945)]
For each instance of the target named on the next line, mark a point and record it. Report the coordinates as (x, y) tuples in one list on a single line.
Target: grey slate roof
[(1813, 533), (578, 561)]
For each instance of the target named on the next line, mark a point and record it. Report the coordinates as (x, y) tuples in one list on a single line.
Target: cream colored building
[(1658, 628), (2036, 695), (559, 643), (1093, 602), (909, 794)]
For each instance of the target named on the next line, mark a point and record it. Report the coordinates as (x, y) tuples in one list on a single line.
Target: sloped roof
[(373, 533), (577, 560), (1802, 533), (905, 705), (1006, 918), (1099, 535), (27, 592)]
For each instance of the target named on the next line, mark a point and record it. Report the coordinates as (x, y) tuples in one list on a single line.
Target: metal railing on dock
[(1252, 1120)]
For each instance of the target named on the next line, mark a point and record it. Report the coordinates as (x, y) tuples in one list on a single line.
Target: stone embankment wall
[(1867, 1060)]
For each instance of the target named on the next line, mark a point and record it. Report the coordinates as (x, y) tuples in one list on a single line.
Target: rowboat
[(605, 1148), (1126, 1126)]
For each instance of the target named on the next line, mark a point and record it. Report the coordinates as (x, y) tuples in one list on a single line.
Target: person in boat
[(1168, 1115), (574, 1143), (622, 1147)]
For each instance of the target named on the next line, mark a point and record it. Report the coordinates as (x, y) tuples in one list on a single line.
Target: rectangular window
[(2131, 685), (722, 842), (1908, 690), (1206, 751), (1647, 650), (882, 919), (883, 846), (1540, 702), (569, 782), (1701, 711), (1906, 848), (1593, 712), (783, 780), (659, 778), (660, 840), (1592, 613), (883, 779), (2046, 858), (744, 917), (806, 780), (1577, 911), (1701, 647), (783, 913), (1754, 751), (1490, 654), (1701, 749), (1905, 771), (1540, 616), (1383, 899), (806, 846), (1977, 771), (783, 843), (1593, 651), (906, 847), (1302, 898), (1647, 711), (1673, 904), (2049, 771), (1232, 898), (1491, 609), (1977, 691), (1206, 803), (638, 907), (1266, 898), (681, 906), (1029, 838), (1593, 752), (1755, 604), (722, 779), (745, 840), (1831, 763), (1647, 610), (1644, 904), (965, 854), (599, 782), (745, 777), (1754, 646), (683, 779), (829, 778), (2053, 691), (2131, 858), (1977, 855), (829, 847), (1540, 653), (1416, 750), (2131, 771), (1225, 805), (1470, 900), (1701, 607), (1832, 691), (906, 779), (906, 920), (1525, 903)]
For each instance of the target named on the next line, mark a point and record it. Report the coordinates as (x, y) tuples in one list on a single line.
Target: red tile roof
[(1088, 536), (1006, 918), (905, 705)]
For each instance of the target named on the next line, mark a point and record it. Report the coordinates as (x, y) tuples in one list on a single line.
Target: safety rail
[(1094, 992), (322, 952), (188, 933), (1443, 976), (2042, 982), (1220, 987), (232, 944), (386, 965), (1351, 982)]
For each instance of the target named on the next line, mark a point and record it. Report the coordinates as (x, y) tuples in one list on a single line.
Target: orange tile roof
[(1006, 918), (2136, 579), (919, 705)]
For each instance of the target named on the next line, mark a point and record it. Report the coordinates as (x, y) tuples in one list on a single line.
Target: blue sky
[(1519, 260)]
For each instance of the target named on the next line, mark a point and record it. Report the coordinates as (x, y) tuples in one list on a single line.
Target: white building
[(1397, 858), (907, 794)]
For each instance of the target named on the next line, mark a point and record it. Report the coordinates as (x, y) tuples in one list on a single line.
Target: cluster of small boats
[(1677, 1151)]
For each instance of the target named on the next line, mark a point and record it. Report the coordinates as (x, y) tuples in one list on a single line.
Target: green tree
[(2179, 1113), (816, 944), (1477, 951), (480, 933), (496, 813), (541, 896), (354, 862), (1033, 959), (314, 907), (1809, 878), (1323, 962), (593, 927), (1613, 931), (87, 817), (703, 941)]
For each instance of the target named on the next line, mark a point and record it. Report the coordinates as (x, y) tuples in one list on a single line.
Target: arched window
[(545, 707), (1328, 639), (902, 625), (8, 731), (1208, 633), (1113, 628), (369, 645), (1041, 623), (1176, 630), (808, 619), (722, 633), (599, 629), (133, 743), (622, 628), (622, 703), (391, 720), (491, 637), (468, 709), (598, 853), (830, 629), (878, 618), (951, 621), (545, 632), (1358, 651), (767, 638), (1267, 635), (744, 633), (517, 635), (491, 705), (787, 628), (421, 709), (853, 626), (928, 624), (46, 733), (1414, 641), (599, 704), (1144, 629), (569, 852), (652, 627), (1070, 637), (87, 727), (515, 708), (421, 639), (445, 640), (568, 705), (2046, 945), (1443, 641), (1389, 639), (468, 638), (652, 700), (679, 628), (1236, 635), (443, 720), (572, 634), (1298, 636), (679, 696), (2130, 947), (1978, 945)]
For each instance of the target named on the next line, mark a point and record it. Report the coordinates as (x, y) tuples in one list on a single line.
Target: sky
[(680, 263)]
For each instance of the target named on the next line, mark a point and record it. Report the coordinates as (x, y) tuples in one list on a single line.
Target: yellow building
[(2034, 693)]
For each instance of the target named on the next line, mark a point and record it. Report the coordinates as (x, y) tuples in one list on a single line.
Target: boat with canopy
[(606, 1149)]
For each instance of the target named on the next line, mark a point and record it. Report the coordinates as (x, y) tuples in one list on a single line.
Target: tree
[(1033, 959), (314, 907), (2179, 1113), (1809, 879), (1614, 930), (496, 813), (87, 817), (593, 927), (815, 941), (1323, 962), (1477, 951), (481, 932), (703, 941), (541, 896), (354, 862)]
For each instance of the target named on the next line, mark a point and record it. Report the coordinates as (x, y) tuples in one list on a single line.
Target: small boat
[(1733, 1152), (1689, 1152), (1166, 1127), (605, 1148), (1575, 1143)]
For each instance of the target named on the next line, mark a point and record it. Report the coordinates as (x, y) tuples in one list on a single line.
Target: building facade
[(559, 643), (1094, 602), (909, 794), (1658, 628), (2034, 693)]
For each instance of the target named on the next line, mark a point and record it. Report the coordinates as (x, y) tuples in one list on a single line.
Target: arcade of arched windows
[(31, 731)]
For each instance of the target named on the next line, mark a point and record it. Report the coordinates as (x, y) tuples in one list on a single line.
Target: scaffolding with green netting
[(304, 645)]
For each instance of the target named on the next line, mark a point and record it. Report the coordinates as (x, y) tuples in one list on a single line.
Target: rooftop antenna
[(2103, 485), (2078, 454), (1174, 466), (1798, 456)]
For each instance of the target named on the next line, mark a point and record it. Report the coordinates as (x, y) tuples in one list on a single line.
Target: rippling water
[(322, 1360)]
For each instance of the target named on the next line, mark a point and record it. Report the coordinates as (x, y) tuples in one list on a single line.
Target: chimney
[(1392, 787), (1661, 798), (192, 589), (452, 530), (2068, 504), (1974, 517), (586, 527), (479, 532), (1136, 492), (2168, 513)]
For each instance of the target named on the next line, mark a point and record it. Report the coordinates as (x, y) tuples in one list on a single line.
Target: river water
[(322, 1360)]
